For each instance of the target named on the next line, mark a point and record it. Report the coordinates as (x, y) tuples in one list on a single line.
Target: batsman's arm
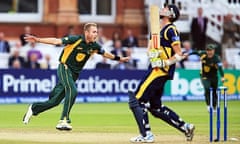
[(158, 62), (177, 57), (34, 39)]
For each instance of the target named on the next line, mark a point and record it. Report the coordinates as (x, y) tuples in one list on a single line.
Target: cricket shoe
[(149, 138), (214, 110), (28, 115), (63, 125), (189, 131), (208, 108)]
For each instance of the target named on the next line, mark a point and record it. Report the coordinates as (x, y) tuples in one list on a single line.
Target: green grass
[(115, 118)]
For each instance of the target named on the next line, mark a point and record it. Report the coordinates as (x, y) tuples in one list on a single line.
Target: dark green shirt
[(76, 52), (210, 66)]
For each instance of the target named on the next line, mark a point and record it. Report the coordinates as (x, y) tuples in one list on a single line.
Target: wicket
[(218, 120)]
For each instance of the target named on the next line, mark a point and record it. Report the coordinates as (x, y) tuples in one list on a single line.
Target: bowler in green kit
[(211, 64), (75, 54)]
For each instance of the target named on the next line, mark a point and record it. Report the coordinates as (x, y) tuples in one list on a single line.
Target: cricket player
[(211, 64), (75, 54), (148, 95)]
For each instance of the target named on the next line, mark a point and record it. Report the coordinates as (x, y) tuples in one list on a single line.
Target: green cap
[(211, 47)]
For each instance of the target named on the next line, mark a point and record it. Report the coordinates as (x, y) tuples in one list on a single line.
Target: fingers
[(27, 36), (30, 38)]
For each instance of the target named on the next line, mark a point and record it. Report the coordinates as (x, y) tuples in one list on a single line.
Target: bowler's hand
[(31, 38)]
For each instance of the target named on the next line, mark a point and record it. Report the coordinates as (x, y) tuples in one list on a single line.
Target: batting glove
[(157, 62), (153, 53)]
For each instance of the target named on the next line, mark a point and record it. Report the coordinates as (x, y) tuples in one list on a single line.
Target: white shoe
[(189, 131), (28, 115), (137, 139), (214, 110), (63, 125), (149, 138), (208, 108)]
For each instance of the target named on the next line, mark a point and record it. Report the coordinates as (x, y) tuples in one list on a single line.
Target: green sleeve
[(70, 39), (99, 48)]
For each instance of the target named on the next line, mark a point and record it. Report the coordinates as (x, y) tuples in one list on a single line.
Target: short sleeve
[(173, 35), (70, 39)]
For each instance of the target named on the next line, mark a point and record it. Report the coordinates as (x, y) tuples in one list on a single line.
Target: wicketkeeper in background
[(211, 64)]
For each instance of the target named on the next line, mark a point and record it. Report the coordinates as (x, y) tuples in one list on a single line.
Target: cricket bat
[(155, 26)]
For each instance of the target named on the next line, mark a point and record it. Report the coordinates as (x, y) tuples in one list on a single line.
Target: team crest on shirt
[(206, 68), (80, 57)]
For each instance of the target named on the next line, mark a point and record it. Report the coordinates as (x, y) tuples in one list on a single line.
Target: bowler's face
[(92, 34)]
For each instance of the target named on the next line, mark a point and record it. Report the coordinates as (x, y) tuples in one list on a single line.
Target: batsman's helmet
[(172, 13)]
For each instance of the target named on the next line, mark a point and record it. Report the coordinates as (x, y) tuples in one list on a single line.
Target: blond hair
[(88, 25)]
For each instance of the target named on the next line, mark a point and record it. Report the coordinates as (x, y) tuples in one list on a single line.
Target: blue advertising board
[(27, 86), (23, 86)]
